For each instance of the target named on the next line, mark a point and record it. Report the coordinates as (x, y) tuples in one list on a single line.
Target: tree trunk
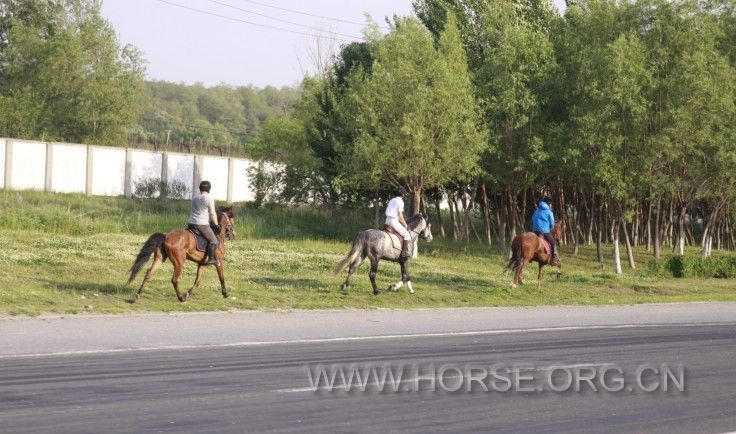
[(616, 250), (658, 231), (437, 205), (416, 201), (451, 203), (486, 213), (649, 227), (629, 251), (681, 232), (598, 237)]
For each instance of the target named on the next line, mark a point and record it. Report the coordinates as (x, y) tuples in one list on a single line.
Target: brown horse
[(528, 247), (180, 245)]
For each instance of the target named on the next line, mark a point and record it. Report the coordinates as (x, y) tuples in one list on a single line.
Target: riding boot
[(212, 255), (405, 249)]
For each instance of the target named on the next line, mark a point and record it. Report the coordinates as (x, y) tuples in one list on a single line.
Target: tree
[(63, 74), (414, 116)]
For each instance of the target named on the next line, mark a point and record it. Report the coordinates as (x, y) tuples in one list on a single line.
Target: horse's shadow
[(95, 287), (280, 282)]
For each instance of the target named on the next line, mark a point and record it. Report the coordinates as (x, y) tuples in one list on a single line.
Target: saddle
[(199, 238), (395, 237)]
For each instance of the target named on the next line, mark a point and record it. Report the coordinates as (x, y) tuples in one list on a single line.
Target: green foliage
[(63, 75), (158, 188), (723, 267), (414, 116), (221, 119)]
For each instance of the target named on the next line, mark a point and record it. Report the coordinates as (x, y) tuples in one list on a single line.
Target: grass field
[(71, 253)]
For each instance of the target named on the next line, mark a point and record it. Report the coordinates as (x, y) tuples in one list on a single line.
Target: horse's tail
[(515, 259), (351, 257), (153, 243)]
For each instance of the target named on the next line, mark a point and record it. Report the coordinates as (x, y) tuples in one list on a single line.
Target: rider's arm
[(402, 220), (551, 219), (213, 213)]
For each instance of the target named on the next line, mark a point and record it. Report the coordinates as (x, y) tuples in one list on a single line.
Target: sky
[(242, 42)]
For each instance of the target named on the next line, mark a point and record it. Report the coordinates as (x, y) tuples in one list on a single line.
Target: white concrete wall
[(181, 168), (215, 170), (2, 163), (242, 190), (108, 171), (144, 165), (68, 168), (29, 166)]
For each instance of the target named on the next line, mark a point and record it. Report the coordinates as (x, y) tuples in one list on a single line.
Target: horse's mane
[(225, 210), (414, 220)]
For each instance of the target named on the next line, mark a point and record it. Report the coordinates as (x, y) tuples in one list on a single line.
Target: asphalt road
[(265, 387)]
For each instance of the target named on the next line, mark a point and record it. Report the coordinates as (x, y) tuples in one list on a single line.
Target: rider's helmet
[(547, 200), (205, 186), (401, 191)]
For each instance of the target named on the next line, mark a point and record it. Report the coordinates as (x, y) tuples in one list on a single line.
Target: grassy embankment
[(71, 253)]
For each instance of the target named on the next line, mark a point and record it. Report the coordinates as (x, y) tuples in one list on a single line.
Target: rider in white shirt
[(395, 219)]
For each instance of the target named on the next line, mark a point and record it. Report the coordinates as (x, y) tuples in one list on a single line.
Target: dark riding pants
[(550, 239), (208, 233)]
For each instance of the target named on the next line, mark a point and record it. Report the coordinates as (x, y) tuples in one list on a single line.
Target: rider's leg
[(553, 245), (212, 243), (406, 246)]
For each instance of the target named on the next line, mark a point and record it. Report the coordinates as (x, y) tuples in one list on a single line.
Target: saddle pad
[(201, 241), (547, 247), (395, 238)]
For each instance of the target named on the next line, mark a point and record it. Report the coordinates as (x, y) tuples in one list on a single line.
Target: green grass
[(71, 253)]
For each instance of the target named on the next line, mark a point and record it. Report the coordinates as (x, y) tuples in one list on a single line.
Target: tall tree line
[(624, 112), (64, 76)]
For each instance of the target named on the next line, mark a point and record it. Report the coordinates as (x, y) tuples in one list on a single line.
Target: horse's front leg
[(221, 275), (404, 277)]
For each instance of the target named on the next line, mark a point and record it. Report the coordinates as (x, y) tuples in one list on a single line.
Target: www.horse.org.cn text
[(498, 378)]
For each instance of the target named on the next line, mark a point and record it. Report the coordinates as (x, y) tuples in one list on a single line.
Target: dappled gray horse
[(375, 245)]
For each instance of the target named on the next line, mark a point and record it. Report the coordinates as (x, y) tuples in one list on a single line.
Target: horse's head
[(557, 230), (226, 219), (420, 224)]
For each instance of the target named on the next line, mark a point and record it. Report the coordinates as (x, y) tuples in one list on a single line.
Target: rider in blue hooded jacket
[(543, 221)]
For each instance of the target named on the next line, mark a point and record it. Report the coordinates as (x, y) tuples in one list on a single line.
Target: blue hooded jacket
[(542, 220)]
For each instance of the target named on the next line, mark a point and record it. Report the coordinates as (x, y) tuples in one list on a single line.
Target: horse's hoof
[(513, 285), (182, 298), (391, 288), (343, 287), (132, 300), (375, 292)]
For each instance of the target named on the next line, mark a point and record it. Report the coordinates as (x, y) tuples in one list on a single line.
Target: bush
[(715, 266), (156, 187)]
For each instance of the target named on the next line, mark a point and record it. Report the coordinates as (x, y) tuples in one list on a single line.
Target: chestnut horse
[(528, 247), (180, 245)]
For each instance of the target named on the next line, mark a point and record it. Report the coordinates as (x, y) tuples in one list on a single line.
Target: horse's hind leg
[(178, 262), (351, 269), (221, 275), (518, 273), (539, 276), (200, 270), (158, 259), (372, 273)]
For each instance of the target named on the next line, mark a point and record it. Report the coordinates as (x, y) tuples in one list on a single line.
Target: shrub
[(714, 266), (157, 187)]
